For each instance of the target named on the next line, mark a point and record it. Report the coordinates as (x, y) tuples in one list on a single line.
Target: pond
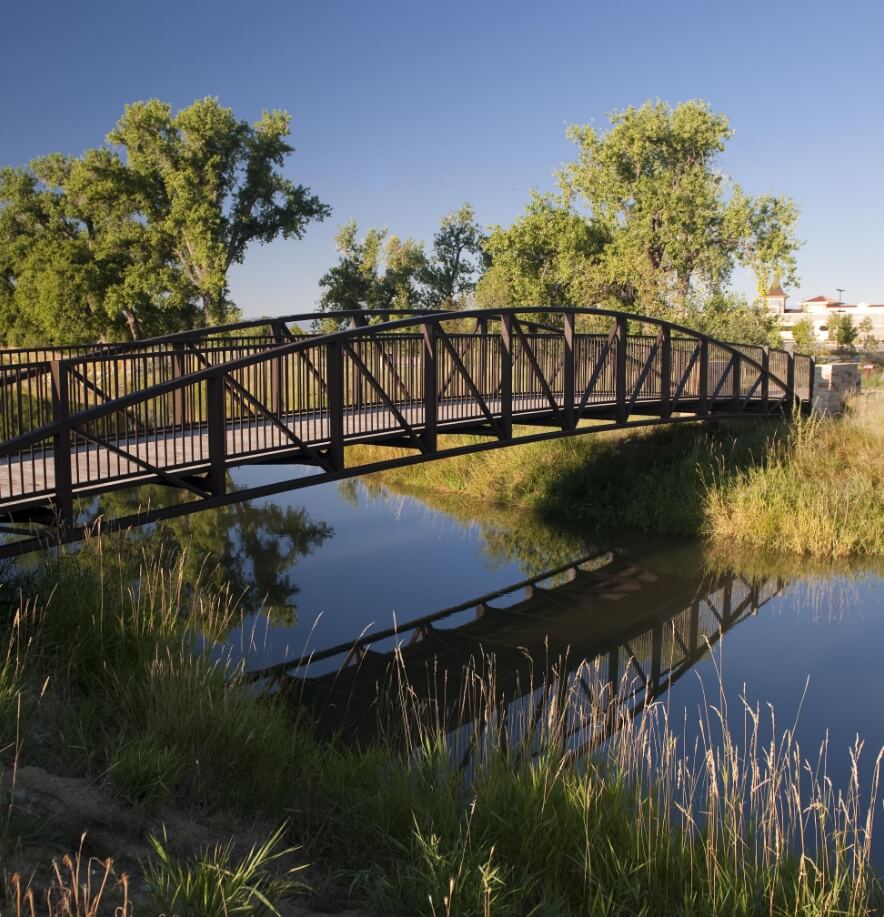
[(325, 565)]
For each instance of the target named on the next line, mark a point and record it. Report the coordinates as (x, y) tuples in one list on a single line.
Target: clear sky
[(404, 110)]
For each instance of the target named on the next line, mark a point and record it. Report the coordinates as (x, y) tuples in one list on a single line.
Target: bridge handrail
[(124, 402)]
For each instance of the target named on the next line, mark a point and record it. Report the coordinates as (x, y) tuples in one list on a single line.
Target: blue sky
[(403, 111)]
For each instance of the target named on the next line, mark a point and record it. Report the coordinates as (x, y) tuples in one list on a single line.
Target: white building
[(819, 309)]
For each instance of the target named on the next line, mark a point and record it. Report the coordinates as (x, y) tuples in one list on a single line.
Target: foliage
[(645, 825), (543, 259), (215, 885), (842, 331), (818, 493), (651, 184), (382, 272), (379, 271), (804, 336), (729, 317), (868, 340), (449, 274), (137, 238)]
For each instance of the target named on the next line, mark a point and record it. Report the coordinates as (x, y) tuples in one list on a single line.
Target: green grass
[(820, 492), (119, 690), (217, 884)]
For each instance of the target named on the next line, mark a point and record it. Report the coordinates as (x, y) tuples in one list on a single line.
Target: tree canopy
[(137, 237), (382, 271), (644, 220)]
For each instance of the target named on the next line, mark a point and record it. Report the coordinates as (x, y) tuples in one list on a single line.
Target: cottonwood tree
[(543, 259), (644, 221), (381, 271), (675, 225), (138, 237), (377, 271), (450, 272), (209, 185)]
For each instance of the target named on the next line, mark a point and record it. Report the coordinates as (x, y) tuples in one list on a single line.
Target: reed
[(556, 801)]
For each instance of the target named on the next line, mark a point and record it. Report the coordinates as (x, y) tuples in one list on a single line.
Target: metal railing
[(183, 411)]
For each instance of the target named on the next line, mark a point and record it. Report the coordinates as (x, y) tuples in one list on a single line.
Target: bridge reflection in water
[(608, 634)]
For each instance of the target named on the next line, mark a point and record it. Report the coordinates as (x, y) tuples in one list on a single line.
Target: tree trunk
[(133, 323)]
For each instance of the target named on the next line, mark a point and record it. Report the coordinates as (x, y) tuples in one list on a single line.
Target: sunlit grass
[(820, 492)]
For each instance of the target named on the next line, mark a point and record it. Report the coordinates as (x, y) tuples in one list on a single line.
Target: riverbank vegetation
[(812, 488), (117, 683)]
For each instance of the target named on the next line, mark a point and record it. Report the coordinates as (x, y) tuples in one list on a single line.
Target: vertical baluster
[(737, 383), (335, 370), (620, 370), (430, 386), (506, 376), (61, 444), (216, 433), (665, 344), (703, 394), (765, 379), (568, 371)]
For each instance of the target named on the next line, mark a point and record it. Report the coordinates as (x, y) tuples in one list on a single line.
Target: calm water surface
[(338, 560)]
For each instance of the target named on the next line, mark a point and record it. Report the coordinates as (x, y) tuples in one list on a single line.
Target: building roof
[(776, 291), (820, 299)]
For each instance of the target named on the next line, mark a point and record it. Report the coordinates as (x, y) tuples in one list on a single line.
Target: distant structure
[(819, 309)]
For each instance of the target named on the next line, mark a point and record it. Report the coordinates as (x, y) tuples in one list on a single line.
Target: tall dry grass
[(819, 492), (568, 804)]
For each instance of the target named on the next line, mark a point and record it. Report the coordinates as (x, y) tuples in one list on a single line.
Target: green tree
[(868, 340), (542, 259), (675, 226), (75, 261), (138, 238), (842, 331), (804, 336), (450, 272), (378, 271), (729, 317), (208, 185)]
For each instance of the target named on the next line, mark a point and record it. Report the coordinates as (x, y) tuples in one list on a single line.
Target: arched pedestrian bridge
[(180, 410)]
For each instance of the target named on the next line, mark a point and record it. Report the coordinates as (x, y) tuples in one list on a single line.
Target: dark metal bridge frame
[(182, 409)]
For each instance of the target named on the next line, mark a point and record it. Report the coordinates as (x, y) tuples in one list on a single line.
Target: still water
[(323, 565)]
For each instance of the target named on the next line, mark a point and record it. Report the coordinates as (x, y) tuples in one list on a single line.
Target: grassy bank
[(105, 682), (813, 488), (819, 492)]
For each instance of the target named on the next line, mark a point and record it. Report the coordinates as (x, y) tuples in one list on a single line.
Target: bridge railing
[(184, 413)]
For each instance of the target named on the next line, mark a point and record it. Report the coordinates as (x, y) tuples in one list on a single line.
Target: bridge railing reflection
[(570, 663)]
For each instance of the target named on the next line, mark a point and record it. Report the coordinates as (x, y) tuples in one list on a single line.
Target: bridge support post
[(665, 343), (620, 370), (431, 387), (506, 376), (703, 388), (61, 444), (737, 383), (656, 659), (568, 375), (217, 434), (280, 336), (790, 384), (765, 379), (179, 369), (335, 369)]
